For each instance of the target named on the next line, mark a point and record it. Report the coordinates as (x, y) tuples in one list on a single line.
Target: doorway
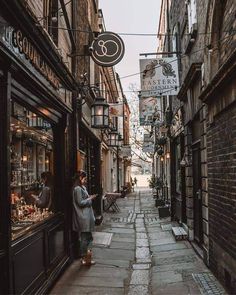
[(197, 193)]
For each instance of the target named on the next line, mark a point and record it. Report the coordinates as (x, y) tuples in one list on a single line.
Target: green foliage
[(155, 182), (161, 141)]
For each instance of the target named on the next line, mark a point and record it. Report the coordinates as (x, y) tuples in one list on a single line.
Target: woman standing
[(83, 216)]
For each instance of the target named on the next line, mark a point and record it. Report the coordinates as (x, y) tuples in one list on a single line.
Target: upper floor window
[(50, 16), (174, 40), (192, 14)]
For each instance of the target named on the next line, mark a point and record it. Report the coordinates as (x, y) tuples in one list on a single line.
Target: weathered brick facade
[(219, 93), (208, 95)]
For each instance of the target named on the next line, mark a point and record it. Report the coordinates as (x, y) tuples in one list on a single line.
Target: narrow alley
[(136, 253)]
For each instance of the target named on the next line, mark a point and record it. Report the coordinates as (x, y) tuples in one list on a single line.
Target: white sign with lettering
[(159, 76)]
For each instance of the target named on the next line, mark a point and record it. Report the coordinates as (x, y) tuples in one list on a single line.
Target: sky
[(132, 16)]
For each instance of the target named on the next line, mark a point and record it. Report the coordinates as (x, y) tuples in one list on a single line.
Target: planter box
[(159, 202), (164, 211)]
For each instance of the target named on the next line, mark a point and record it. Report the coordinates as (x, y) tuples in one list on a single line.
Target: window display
[(31, 170)]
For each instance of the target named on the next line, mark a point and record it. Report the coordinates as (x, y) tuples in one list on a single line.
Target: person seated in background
[(44, 199)]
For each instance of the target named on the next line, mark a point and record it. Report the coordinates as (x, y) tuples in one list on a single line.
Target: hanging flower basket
[(160, 151), (161, 141)]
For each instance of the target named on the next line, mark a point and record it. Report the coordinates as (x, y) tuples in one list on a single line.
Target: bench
[(109, 202)]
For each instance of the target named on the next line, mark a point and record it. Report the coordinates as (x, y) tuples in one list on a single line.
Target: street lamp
[(100, 113), (113, 139)]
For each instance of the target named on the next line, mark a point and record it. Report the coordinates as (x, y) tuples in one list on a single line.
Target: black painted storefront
[(30, 263)]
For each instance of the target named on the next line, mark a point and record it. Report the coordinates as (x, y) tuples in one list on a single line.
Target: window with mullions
[(50, 16), (192, 15), (31, 158)]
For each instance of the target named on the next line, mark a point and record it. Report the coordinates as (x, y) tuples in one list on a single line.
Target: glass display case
[(31, 154)]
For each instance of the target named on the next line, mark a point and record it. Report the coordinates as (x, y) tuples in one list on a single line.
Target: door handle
[(199, 194)]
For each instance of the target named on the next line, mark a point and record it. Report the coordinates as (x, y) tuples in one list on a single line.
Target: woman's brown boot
[(89, 258)]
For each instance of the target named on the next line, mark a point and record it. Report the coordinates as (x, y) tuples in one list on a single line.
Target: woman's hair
[(47, 176), (77, 176)]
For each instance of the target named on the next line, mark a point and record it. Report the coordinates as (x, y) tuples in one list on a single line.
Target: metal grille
[(208, 284)]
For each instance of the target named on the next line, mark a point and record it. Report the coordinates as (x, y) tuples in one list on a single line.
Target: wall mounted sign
[(26, 47), (116, 109), (159, 76), (108, 49), (148, 108), (125, 151)]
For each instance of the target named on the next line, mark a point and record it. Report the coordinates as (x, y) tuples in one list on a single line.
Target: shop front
[(34, 138)]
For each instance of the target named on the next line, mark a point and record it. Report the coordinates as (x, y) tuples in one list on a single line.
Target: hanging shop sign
[(148, 147), (149, 107), (23, 44), (147, 138), (107, 49), (159, 76), (125, 151), (116, 109)]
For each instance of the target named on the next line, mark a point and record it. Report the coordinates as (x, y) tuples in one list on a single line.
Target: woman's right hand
[(92, 197)]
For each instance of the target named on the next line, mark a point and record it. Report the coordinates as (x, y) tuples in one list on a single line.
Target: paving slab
[(99, 282), (104, 272), (118, 224), (138, 290), (182, 266), (140, 277), (159, 242), (142, 243), (110, 262), (102, 238), (168, 247), (174, 260), (141, 266), (115, 254), (142, 253), (75, 290), (141, 215), (141, 236), (161, 235), (123, 238), (175, 289), (167, 277), (122, 245), (176, 253), (120, 230), (140, 230)]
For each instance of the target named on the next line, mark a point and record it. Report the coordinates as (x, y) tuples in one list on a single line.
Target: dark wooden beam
[(68, 26)]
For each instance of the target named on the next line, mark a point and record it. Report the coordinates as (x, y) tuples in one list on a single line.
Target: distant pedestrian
[(83, 217), (135, 181)]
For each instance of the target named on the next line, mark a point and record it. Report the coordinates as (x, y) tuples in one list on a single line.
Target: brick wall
[(221, 147), (64, 45)]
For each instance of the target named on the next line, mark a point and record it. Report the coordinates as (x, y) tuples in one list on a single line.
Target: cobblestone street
[(136, 253)]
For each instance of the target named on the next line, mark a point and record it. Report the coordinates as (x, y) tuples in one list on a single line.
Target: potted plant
[(156, 184)]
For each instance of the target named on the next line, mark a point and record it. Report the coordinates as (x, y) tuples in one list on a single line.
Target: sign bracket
[(159, 53)]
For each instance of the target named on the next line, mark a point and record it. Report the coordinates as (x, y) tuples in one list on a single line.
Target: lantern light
[(113, 139), (100, 113)]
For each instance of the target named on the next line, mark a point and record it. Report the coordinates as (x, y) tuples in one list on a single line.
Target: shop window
[(31, 148), (192, 15), (50, 16)]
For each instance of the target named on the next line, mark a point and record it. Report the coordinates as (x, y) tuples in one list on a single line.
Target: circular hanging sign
[(108, 49)]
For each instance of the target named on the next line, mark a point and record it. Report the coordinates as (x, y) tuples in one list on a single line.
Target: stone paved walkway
[(140, 257)]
